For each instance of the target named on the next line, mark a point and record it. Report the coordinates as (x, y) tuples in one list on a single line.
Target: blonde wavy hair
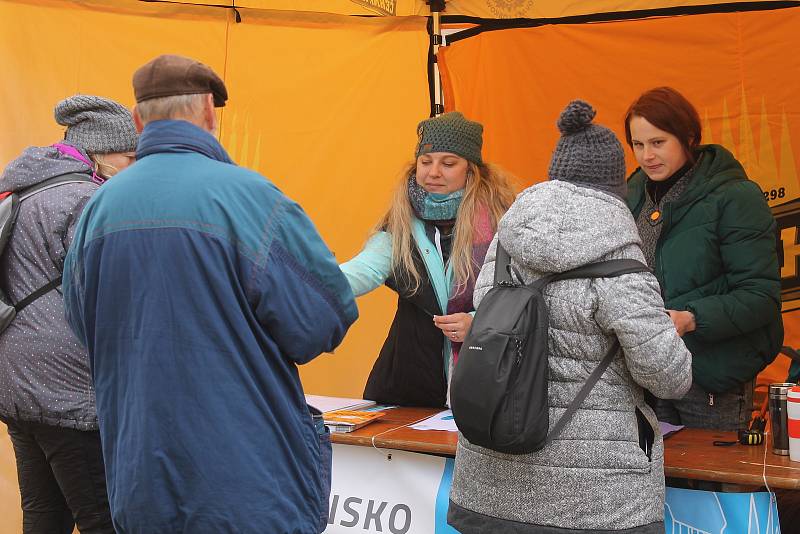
[(101, 167), (487, 185)]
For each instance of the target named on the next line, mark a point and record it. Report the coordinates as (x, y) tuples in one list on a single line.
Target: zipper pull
[(711, 399), (518, 343)]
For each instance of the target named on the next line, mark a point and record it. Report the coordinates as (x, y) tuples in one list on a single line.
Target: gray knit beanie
[(587, 154), (451, 132), (96, 124)]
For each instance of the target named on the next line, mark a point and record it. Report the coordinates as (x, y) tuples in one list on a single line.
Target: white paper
[(668, 429), (330, 404), (441, 421)]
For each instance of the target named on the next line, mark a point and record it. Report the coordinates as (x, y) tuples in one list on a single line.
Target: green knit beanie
[(451, 132)]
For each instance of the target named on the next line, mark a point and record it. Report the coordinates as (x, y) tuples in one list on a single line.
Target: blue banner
[(695, 512)]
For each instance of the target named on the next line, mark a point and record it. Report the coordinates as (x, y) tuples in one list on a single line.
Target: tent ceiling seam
[(236, 8), (199, 4), (485, 24)]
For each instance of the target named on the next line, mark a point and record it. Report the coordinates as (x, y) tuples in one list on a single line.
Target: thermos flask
[(778, 418)]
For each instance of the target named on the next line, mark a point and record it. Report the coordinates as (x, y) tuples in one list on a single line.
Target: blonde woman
[(429, 248)]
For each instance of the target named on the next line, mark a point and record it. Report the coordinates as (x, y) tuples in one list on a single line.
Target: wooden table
[(689, 453), (392, 432)]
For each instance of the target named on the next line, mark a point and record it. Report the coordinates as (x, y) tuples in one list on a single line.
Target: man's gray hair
[(171, 107)]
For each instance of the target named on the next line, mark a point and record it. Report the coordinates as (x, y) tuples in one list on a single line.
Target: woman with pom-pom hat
[(604, 472), (47, 399)]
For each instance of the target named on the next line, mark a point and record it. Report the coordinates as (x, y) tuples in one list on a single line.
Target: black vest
[(410, 368)]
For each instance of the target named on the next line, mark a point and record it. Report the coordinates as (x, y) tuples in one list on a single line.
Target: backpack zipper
[(518, 343)]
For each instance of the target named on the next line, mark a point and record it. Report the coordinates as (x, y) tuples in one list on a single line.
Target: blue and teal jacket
[(198, 287)]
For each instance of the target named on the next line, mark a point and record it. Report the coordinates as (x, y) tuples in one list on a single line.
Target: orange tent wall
[(739, 69), (326, 106)]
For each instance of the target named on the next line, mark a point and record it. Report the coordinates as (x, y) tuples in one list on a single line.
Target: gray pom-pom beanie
[(96, 124), (587, 154)]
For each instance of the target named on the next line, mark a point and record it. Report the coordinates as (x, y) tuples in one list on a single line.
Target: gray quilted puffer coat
[(44, 370), (595, 475)]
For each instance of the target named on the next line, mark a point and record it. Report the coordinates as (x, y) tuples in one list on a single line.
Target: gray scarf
[(433, 206)]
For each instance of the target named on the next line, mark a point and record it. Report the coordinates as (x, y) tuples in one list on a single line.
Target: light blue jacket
[(372, 266)]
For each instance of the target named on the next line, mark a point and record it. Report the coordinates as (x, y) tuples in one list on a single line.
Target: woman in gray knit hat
[(428, 248), (46, 393), (605, 471), (102, 128)]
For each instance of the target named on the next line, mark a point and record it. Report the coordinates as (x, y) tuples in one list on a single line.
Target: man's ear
[(137, 120), (209, 115)]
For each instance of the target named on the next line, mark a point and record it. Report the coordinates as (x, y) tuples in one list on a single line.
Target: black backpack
[(9, 209), (498, 391)]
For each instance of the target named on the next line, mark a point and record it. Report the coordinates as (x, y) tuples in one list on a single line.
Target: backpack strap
[(601, 269), (583, 393), (604, 269), (69, 178), (47, 288), (502, 262)]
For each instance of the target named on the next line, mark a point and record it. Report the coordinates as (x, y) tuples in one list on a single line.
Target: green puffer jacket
[(717, 258)]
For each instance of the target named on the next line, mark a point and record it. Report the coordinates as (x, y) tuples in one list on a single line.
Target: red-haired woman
[(709, 235)]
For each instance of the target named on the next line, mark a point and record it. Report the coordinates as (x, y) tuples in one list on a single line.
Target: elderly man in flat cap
[(198, 288)]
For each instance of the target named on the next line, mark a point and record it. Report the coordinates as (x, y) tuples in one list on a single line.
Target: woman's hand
[(683, 321), (455, 326)]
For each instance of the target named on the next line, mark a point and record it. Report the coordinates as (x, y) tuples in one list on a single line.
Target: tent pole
[(438, 99)]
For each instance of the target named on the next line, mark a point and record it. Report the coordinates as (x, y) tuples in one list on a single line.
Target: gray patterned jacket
[(595, 475), (44, 371)]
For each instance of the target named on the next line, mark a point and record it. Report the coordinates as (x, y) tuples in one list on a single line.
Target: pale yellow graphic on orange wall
[(787, 170), (777, 176), (238, 142), (747, 147), (778, 181), (768, 166), (727, 131), (707, 136)]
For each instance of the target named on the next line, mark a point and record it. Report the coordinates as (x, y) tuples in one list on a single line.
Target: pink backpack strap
[(74, 153)]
